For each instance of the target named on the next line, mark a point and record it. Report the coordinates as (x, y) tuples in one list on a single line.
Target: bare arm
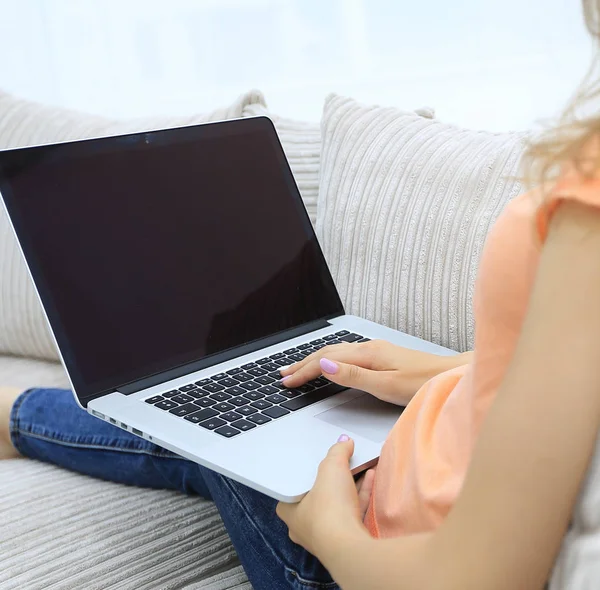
[(536, 443)]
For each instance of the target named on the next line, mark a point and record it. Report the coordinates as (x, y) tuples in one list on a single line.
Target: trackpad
[(365, 415)]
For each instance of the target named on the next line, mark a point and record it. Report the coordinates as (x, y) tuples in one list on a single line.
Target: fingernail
[(329, 366), (284, 379), (284, 368), (343, 438)]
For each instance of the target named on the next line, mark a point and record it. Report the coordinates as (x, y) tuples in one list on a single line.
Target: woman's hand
[(391, 373), (334, 508)]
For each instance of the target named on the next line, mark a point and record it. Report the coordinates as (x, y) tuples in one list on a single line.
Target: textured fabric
[(302, 145), (23, 329), (62, 531), (405, 204)]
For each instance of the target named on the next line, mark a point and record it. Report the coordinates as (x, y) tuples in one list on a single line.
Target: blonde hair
[(564, 143)]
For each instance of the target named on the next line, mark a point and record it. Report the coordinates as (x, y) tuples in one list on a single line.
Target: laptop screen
[(157, 249)]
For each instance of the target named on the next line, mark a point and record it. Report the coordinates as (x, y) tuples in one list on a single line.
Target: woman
[(477, 481)]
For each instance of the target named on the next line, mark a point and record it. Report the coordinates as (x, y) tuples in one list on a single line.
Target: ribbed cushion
[(405, 204), (62, 531), (301, 143), (23, 329)]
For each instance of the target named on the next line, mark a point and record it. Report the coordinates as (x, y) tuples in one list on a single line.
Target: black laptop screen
[(154, 250)]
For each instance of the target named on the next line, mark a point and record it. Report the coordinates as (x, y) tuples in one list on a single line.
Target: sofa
[(401, 204)]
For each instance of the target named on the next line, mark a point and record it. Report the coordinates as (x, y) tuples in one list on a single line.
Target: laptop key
[(304, 346), (290, 351), (243, 425), (235, 390), (223, 407), (189, 387), (262, 361), (250, 385), (290, 393), (195, 418), (235, 371), (342, 333), (249, 366), (261, 404), (212, 423), (213, 388), (276, 412), (364, 340), (275, 375), (227, 431), (205, 402), (306, 388), (246, 410), (277, 356), (265, 380), (153, 400), (329, 337), (230, 416), (244, 377), (268, 390), (184, 410), (276, 398), (182, 398), (313, 397), (257, 372), (278, 385), (238, 401), (171, 393), (254, 395), (166, 405), (318, 342), (197, 393), (297, 357), (203, 382), (229, 382), (219, 376), (271, 367), (259, 418), (351, 338), (220, 397), (206, 414), (319, 382), (282, 362)]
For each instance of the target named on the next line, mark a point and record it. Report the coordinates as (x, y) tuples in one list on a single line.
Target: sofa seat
[(68, 531)]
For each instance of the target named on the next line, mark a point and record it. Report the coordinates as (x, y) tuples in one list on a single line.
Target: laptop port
[(136, 431)]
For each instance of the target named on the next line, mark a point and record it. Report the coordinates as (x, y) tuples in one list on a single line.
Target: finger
[(343, 449), (310, 368), (315, 356), (379, 383), (365, 490)]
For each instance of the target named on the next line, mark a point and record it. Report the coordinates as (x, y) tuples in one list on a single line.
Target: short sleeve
[(569, 187)]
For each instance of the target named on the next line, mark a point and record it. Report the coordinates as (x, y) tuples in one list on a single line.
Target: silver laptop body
[(179, 272)]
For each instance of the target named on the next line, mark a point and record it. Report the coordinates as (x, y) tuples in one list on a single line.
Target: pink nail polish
[(329, 366), (343, 438), (284, 379)]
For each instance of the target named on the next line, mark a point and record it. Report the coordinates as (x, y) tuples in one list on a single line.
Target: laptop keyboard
[(251, 395)]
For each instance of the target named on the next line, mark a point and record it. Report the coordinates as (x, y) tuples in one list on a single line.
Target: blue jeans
[(48, 425)]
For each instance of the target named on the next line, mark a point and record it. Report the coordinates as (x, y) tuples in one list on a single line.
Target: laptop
[(179, 271)]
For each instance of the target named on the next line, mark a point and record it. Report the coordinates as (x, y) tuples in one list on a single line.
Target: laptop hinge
[(221, 357)]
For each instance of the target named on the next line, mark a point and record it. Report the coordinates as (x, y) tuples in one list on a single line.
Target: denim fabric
[(48, 425)]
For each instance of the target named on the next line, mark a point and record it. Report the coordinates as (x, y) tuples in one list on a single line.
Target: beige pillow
[(23, 329), (405, 205), (301, 143)]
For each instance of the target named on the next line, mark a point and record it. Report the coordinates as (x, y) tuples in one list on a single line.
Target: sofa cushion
[(405, 204), (23, 330), (66, 531), (53, 536), (301, 142)]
